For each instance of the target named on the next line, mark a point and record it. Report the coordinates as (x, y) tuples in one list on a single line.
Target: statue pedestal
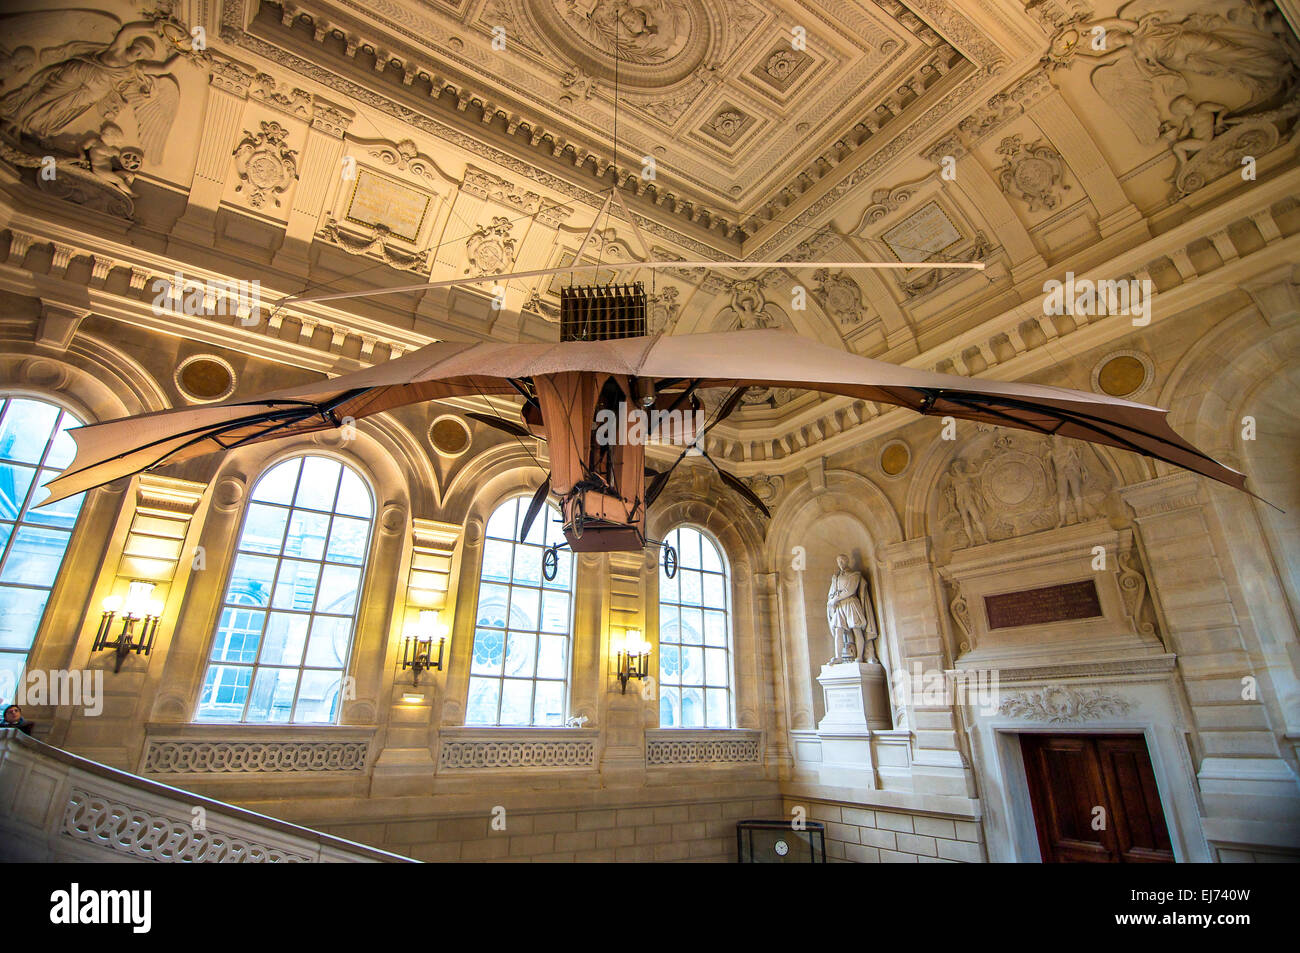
[(857, 703)]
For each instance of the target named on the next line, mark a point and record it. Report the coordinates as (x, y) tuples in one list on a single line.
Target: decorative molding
[(729, 746), (265, 164), (253, 757), (1059, 703), (127, 829), (508, 748), (1033, 173)]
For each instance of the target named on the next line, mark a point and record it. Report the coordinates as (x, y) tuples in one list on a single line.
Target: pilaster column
[(625, 714), (914, 602), (1243, 779), (227, 93), (321, 166)]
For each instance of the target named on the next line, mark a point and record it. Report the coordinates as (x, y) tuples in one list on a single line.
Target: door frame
[(1177, 800)]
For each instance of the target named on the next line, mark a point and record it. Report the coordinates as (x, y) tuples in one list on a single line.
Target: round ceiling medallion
[(205, 378), (659, 41), (1122, 374), (449, 436), (894, 458)]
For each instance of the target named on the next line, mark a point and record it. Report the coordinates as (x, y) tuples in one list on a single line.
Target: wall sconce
[(633, 658), (417, 648), (137, 607)]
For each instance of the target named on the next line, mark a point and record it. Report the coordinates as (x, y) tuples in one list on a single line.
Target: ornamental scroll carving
[(517, 754), (134, 831), (1058, 703), (240, 757)]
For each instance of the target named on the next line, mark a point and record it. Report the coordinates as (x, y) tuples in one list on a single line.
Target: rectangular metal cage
[(778, 842), (602, 312)]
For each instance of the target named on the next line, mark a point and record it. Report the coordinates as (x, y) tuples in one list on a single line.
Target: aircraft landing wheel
[(578, 519), (670, 561), (551, 562)]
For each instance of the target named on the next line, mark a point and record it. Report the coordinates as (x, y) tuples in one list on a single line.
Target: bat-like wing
[(760, 358)]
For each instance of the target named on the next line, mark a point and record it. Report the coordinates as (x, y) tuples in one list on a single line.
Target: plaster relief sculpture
[(965, 498), (849, 594), (662, 309), (66, 102), (1191, 79), (265, 165), (377, 243), (1067, 467), (1032, 173), (491, 250), (839, 296)]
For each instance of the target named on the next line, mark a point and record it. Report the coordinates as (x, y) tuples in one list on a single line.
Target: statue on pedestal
[(850, 592)]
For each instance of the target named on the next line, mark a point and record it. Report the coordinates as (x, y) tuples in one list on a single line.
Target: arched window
[(34, 447), (284, 635), (519, 674), (695, 635)]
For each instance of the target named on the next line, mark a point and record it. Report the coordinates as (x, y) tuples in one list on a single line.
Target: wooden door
[(1095, 799)]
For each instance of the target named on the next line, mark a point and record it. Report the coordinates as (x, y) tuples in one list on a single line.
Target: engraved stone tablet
[(922, 235), (378, 200), (1071, 600)]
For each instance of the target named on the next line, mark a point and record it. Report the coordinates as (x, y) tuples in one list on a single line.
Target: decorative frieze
[(140, 833), (519, 752), (253, 757), (670, 747), (1058, 703)]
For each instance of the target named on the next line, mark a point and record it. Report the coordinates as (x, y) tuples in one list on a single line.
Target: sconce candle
[(633, 658), (137, 607), (417, 647)]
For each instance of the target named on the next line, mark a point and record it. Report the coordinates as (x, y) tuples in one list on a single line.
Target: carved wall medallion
[(727, 124), (265, 165), (1031, 172), (491, 250), (840, 296), (1059, 703), (782, 67)]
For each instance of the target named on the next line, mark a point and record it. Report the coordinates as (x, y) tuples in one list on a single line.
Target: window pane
[(250, 581), (712, 561), (295, 587), (277, 484), (33, 448), (34, 556), (548, 705), (521, 654), (225, 689), (20, 614), (238, 635), (25, 430), (354, 497), (692, 708), (339, 588), (714, 596), (692, 666), (520, 676), (517, 702), (318, 698), (488, 653), (293, 659), (319, 484), (718, 715), (328, 647), (715, 628), (263, 528), (496, 560), (306, 535), (670, 703), (481, 708), (272, 696), (692, 626), (691, 588), (286, 634), (689, 551), (551, 656), (14, 483), (715, 667), (670, 663)]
